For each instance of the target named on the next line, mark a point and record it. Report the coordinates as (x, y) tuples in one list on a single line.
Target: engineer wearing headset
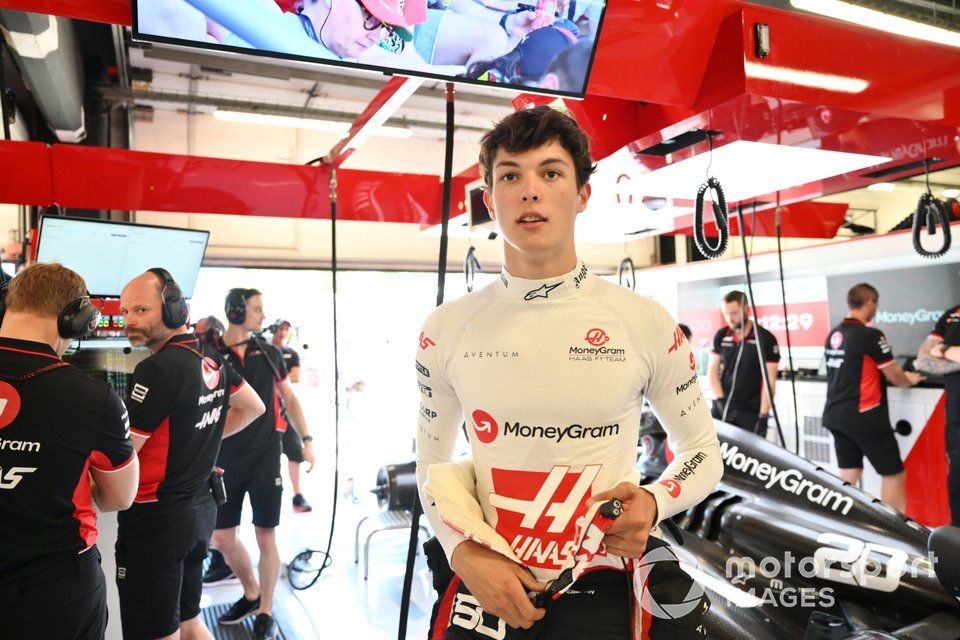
[(64, 440), (735, 372), (251, 462), (184, 398)]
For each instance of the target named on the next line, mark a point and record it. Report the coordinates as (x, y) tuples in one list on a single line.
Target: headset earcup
[(78, 319)]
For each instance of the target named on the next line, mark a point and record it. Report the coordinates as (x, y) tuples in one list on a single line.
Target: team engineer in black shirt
[(64, 440), (856, 411), (184, 398), (735, 372), (251, 461)]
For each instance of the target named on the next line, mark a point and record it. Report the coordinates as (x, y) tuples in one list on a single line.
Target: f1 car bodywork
[(787, 550)]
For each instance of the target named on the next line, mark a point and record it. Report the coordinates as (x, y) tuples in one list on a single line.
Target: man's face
[(343, 30), (732, 314), (534, 198), (141, 307), (255, 315), (282, 333), (871, 308), (201, 326)]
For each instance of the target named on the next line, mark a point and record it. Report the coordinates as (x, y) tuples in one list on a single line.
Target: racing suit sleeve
[(675, 397), (439, 423)]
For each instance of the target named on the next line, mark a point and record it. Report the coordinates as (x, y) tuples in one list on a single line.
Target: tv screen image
[(109, 254), (544, 47)]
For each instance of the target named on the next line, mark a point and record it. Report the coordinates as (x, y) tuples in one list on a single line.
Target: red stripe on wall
[(926, 466), (83, 511), (153, 462)]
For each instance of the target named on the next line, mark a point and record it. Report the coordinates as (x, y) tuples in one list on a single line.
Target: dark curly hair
[(531, 128)]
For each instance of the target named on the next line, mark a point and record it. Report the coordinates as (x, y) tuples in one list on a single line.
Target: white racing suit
[(550, 377)]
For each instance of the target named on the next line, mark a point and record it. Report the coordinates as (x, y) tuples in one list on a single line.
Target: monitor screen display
[(110, 254), (546, 46)]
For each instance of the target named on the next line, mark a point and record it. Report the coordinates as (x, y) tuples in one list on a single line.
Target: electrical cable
[(718, 203), (441, 277), (786, 317), (750, 302), (301, 563), (929, 212)]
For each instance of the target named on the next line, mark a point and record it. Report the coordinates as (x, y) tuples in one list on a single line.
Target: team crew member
[(940, 355), (251, 462), (64, 439), (549, 365), (735, 374), (292, 444), (183, 400), (856, 411)]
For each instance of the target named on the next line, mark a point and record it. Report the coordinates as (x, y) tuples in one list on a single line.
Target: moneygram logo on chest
[(537, 511), (486, 428), (596, 350)]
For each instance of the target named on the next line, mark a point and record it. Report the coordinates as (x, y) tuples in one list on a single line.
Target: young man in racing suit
[(549, 366)]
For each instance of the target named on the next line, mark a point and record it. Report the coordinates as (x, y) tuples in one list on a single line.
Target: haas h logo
[(426, 342), (597, 337), (484, 426)]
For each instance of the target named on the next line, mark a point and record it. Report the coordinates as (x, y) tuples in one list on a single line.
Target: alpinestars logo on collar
[(542, 292)]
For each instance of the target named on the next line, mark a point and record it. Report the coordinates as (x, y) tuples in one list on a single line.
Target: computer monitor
[(109, 254)]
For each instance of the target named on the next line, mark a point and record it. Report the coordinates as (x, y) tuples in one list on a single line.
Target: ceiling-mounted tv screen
[(546, 46), (109, 254)]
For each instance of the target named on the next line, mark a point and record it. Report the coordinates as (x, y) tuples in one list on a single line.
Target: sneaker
[(264, 628), (300, 504), (218, 570), (241, 610)]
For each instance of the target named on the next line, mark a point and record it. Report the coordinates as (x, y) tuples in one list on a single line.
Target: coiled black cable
[(929, 212), (719, 203)]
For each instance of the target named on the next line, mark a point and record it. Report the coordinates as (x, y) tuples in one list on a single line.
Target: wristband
[(307, 438)]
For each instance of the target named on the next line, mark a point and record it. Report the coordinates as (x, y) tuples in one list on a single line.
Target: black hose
[(929, 212), (719, 203), (756, 330), (441, 276), (793, 373)]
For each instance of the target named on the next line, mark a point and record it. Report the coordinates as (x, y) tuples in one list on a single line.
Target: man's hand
[(914, 377), (520, 24), (627, 537), (308, 454), (937, 350), (499, 584)]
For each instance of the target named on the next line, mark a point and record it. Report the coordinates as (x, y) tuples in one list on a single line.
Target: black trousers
[(952, 390), (55, 599)]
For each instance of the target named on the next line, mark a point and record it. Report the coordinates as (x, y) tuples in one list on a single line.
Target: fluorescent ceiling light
[(879, 20), (842, 84), (303, 123), (882, 186), (951, 193)]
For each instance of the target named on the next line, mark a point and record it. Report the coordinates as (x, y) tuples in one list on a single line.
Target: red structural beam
[(100, 178), (798, 220), (109, 11)]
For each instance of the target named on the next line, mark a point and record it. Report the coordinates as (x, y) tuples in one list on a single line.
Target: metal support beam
[(385, 104)]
